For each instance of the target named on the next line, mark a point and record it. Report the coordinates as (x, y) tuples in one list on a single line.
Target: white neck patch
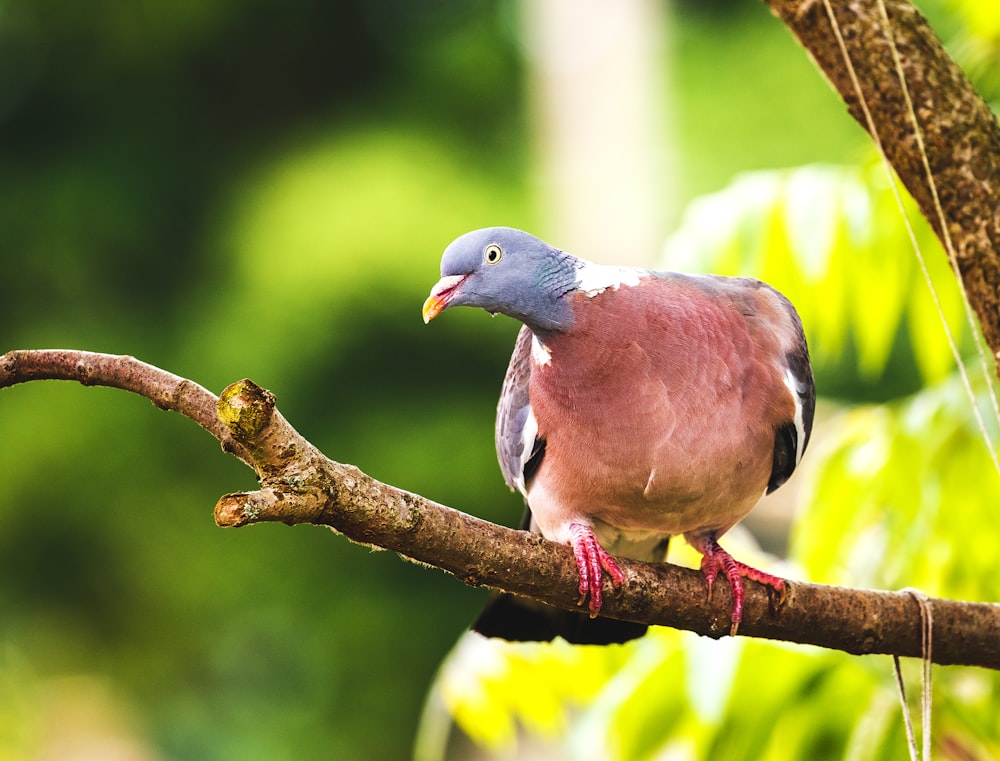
[(593, 279)]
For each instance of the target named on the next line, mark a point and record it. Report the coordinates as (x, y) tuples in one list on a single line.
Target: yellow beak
[(432, 308), (441, 294)]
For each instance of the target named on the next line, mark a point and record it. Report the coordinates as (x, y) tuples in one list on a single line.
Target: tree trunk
[(959, 133)]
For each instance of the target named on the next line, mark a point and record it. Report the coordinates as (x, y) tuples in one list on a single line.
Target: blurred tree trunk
[(601, 109), (959, 132)]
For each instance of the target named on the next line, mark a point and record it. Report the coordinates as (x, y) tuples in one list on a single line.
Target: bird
[(638, 405)]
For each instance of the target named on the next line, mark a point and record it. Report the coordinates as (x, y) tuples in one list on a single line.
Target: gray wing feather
[(516, 428)]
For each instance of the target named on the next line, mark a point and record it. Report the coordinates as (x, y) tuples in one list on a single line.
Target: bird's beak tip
[(432, 308), (441, 295)]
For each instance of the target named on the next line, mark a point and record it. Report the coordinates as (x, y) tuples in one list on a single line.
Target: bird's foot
[(715, 560), (591, 560)]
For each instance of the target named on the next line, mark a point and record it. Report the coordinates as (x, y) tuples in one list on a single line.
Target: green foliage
[(115, 558), (726, 125), (899, 492), (976, 43), (492, 687), (20, 724), (337, 228)]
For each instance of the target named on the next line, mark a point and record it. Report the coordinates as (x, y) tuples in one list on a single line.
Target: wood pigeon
[(638, 405)]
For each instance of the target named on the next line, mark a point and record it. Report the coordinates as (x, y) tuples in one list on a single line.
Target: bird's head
[(504, 270)]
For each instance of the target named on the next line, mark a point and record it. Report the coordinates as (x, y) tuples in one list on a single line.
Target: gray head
[(504, 270)]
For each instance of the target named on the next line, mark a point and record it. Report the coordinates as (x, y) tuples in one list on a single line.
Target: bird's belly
[(679, 486)]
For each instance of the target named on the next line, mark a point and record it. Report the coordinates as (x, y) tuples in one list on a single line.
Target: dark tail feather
[(521, 620)]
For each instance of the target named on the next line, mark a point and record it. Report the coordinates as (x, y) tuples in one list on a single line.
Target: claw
[(715, 560), (591, 560)]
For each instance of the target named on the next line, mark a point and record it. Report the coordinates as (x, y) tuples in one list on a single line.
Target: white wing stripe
[(528, 434), (798, 388)]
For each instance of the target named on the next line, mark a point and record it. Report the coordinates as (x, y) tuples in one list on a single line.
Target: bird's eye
[(492, 253)]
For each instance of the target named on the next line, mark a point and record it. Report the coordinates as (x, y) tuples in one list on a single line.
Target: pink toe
[(592, 561), (716, 560)]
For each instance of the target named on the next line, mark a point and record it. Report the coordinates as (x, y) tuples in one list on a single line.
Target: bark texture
[(959, 132)]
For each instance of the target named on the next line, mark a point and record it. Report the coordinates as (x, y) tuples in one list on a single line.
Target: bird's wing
[(766, 309), (519, 449)]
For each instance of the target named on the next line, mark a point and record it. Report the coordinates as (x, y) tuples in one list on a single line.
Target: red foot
[(715, 559), (591, 558)]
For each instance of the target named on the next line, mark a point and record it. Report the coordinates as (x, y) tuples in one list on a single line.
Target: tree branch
[(300, 485), (960, 134)]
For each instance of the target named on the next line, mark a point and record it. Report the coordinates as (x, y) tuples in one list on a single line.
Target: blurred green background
[(263, 189)]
